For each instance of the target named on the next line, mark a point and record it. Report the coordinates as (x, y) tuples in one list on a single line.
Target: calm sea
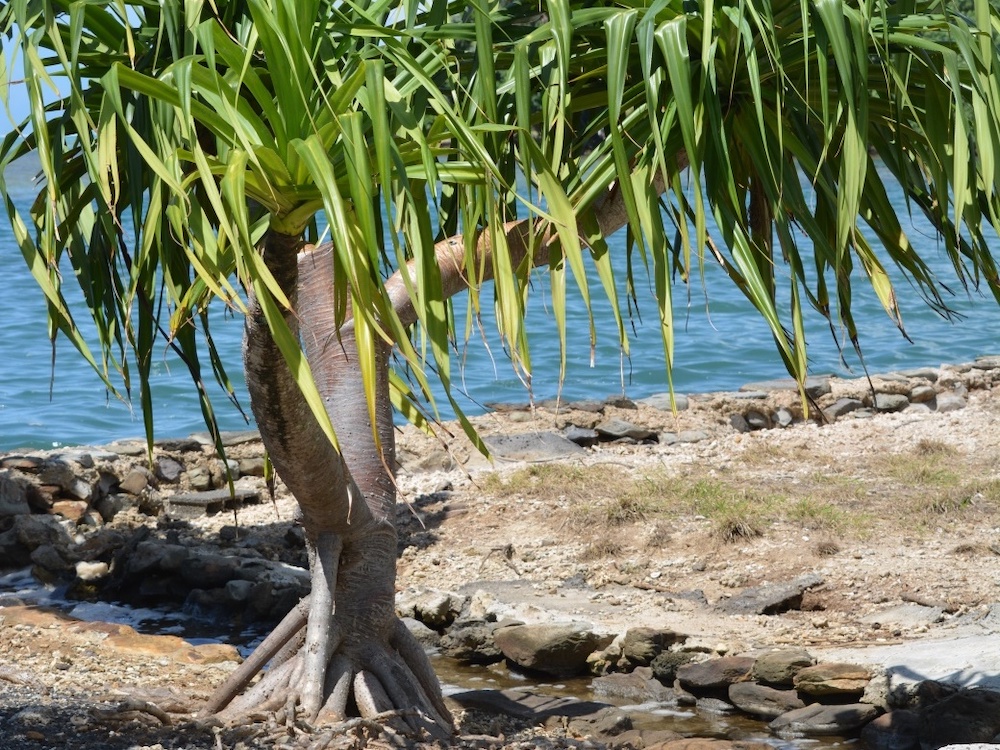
[(721, 344)]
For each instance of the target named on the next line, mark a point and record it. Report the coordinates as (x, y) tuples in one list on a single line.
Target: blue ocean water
[(721, 343)]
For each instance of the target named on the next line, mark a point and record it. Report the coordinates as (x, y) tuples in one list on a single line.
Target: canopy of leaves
[(173, 135)]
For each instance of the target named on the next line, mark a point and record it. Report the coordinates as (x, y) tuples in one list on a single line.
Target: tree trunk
[(354, 650)]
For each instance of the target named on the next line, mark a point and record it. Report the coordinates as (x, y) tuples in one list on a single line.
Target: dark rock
[(641, 645), (238, 591), (620, 402), (471, 641), (582, 436), (209, 571), (616, 429), (524, 704), (635, 687), (831, 678), (180, 445), (169, 469), (194, 504), (531, 446), (34, 531), (51, 558), (840, 407), (739, 423), (970, 715), (817, 719), (151, 555), (770, 599), (778, 666), (757, 421), (714, 674), (766, 702), (70, 476), (590, 405), (557, 649), (665, 665), (13, 494), (31, 464), (890, 402), (896, 730)]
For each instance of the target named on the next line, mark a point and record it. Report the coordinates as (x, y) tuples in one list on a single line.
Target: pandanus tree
[(437, 146)]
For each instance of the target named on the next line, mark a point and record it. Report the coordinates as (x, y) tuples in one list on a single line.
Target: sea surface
[(721, 343)]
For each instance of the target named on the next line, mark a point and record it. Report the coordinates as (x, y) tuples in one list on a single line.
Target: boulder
[(635, 687), (531, 446), (559, 649), (778, 666), (471, 641), (436, 609), (617, 429), (772, 598), (14, 492), (641, 645), (969, 715), (666, 664), (896, 730), (818, 720), (890, 402), (762, 701), (714, 674), (831, 678)]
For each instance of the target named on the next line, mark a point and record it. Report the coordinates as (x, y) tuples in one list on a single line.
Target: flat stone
[(531, 446), (815, 387), (194, 504), (714, 674), (620, 402), (692, 436), (749, 395), (180, 445), (987, 362), (922, 373), (907, 615), (842, 406), (890, 402), (615, 429), (582, 436), (135, 481), (169, 469), (818, 720), (229, 438), (766, 702), (559, 649), (661, 401), (832, 678), (524, 704), (770, 599), (778, 666), (638, 686), (592, 406)]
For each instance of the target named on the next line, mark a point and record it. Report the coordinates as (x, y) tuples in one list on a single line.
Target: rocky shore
[(829, 571)]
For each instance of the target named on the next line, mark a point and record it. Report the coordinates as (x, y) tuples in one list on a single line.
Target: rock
[(207, 570), (617, 429), (111, 505), (50, 558), (757, 420), (194, 504), (896, 730), (778, 666), (251, 467), (591, 405), (471, 641), (149, 556), (665, 665), (970, 715), (922, 393), (907, 615), (169, 469), (766, 702), (890, 402), (949, 402), (582, 436), (436, 609), (987, 362), (604, 724), (714, 674), (71, 510), (14, 491), (136, 481), (180, 445), (770, 599), (739, 423), (556, 649), (200, 478), (784, 417), (71, 477), (238, 590), (620, 402), (641, 645), (524, 704), (661, 401), (840, 407), (426, 637), (635, 687), (692, 436), (714, 706), (817, 719), (91, 571), (531, 446), (831, 678), (694, 743), (815, 387), (34, 531)]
